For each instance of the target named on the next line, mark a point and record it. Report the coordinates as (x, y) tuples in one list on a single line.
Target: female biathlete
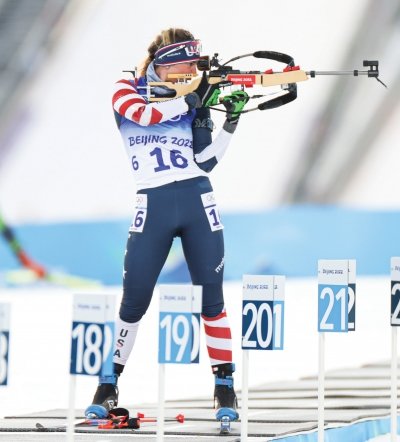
[(170, 149)]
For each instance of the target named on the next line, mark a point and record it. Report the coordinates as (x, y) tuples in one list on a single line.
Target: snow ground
[(40, 339)]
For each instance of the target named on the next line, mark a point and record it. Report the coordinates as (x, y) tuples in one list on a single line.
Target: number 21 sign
[(336, 295)]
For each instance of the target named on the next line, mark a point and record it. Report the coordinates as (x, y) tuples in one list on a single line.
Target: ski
[(110, 423), (88, 423)]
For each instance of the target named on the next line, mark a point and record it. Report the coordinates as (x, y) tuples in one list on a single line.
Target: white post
[(71, 409), (161, 399), (321, 386), (245, 395), (394, 387)]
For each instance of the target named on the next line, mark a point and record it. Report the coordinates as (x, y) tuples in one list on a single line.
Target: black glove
[(234, 105), (205, 95)]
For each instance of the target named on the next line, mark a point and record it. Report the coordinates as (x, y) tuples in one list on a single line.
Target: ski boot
[(105, 398), (225, 401)]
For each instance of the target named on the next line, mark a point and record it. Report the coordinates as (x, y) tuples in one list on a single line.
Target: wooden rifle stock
[(247, 79)]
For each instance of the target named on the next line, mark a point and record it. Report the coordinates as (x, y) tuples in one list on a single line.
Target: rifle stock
[(244, 79)]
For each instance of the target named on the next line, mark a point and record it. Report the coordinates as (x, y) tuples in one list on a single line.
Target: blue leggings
[(173, 210)]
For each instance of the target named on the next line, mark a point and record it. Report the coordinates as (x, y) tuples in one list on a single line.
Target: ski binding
[(225, 425), (225, 416)]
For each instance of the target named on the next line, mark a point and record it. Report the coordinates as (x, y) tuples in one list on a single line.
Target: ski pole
[(178, 418), (18, 251), (133, 422)]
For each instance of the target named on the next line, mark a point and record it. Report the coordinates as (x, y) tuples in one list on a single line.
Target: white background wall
[(67, 159)]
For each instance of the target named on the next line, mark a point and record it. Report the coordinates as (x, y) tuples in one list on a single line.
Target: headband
[(181, 52)]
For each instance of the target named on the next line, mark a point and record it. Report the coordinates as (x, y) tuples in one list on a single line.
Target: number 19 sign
[(4, 342), (263, 312), (179, 325), (92, 335), (336, 295)]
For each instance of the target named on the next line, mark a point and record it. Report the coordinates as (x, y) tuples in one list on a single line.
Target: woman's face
[(180, 68)]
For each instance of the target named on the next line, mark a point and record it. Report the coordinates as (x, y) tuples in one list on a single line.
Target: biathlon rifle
[(225, 75)]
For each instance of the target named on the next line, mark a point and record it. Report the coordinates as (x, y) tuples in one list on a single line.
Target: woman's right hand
[(205, 95)]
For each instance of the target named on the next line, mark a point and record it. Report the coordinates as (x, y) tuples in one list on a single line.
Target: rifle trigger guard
[(291, 92)]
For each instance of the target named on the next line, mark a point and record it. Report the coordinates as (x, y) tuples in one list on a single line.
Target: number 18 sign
[(179, 325), (263, 312), (92, 334)]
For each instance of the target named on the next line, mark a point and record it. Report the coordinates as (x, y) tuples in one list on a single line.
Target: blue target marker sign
[(395, 291), (4, 342), (92, 335), (336, 295), (279, 312), (179, 324), (263, 312), (351, 322)]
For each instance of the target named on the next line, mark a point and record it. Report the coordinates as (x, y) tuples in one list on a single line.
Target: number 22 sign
[(395, 291)]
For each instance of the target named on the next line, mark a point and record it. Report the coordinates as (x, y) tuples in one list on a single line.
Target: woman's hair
[(165, 38)]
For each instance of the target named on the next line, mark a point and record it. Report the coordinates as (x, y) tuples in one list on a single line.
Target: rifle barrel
[(354, 72)]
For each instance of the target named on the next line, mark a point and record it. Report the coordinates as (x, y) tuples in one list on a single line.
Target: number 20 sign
[(336, 295), (263, 312), (179, 325), (92, 335)]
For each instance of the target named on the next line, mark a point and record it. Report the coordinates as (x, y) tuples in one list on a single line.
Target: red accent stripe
[(138, 114), (215, 318), (125, 82), (156, 116), (122, 92), (218, 332), (124, 106), (221, 355)]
